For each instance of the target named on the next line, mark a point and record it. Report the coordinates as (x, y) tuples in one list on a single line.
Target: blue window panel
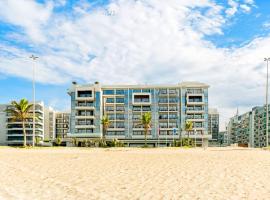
[(146, 90), (120, 92), (108, 92), (137, 90), (120, 100), (110, 100)]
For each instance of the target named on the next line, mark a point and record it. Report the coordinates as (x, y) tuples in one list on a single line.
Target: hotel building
[(170, 107)]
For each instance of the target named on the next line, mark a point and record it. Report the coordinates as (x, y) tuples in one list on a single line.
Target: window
[(108, 92), (172, 91), (86, 93), (146, 90), (172, 125), (120, 125), (163, 100), (137, 90), (119, 100), (136, 117), (173, 100), (163, 91), (146, 108), (109, 108), (111, 116), (163, 116), (110, 100), (120, 108), (195, 99), (136, 108), (163, 108), (141, 98), (163, 125), (120, 92), (120, 116), (172, 116), (173, 108)]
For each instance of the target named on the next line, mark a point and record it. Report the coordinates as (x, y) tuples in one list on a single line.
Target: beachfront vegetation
[(188, 127), (20, 111), (58, 141), (105, 125), (146, 122)]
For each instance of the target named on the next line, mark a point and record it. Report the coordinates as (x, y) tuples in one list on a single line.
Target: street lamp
[(266, 99), (34, 98)]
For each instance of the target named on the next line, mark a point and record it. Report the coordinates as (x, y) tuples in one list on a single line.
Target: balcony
[(141, 99), (84, 95)]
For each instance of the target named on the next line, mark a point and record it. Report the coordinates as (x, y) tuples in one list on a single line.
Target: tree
[(146, 122), (189, 127), (20, 111), (58, 140), (105, 125)]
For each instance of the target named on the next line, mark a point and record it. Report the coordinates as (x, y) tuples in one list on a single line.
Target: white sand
[(77, 173)]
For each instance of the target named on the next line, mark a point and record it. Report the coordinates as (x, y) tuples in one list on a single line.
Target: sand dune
[(77, 173)]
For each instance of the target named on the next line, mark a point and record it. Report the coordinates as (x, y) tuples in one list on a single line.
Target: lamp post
[(266, 99), (34, 98)]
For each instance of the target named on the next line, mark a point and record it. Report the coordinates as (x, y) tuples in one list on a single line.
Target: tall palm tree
[(189, 127), (105, 124), (20, 111), (146, 122)]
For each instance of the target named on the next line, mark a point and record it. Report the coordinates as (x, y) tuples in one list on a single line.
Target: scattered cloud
[(128, 41)]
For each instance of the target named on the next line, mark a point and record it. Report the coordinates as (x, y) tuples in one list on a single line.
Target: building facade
[(11, 132), (49, 124), (213, 123), (249, 129), (170, 107), (62, 124)]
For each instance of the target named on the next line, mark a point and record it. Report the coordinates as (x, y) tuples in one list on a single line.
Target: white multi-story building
[(11, 132), (170, 107)]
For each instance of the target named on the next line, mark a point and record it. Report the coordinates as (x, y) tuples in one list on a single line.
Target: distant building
[(223, 138), (49, 124), (213, 123), (170, 106), (249, 129), (62, 124), (11, 132)]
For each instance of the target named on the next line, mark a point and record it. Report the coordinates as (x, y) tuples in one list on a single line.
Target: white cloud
[(27, 14), (136, 42), (245, 8), (233, 8)]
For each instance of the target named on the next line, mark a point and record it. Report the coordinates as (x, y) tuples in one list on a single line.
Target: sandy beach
[(134, 173)]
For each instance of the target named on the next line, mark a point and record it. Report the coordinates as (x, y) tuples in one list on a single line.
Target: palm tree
[(20, 111), (146, 122), (105, 123), (189, 127)]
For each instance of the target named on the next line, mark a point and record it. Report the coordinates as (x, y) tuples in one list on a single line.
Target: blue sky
[(128, 41)]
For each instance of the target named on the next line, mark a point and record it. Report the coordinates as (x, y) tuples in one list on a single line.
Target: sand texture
[(134, 173)]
